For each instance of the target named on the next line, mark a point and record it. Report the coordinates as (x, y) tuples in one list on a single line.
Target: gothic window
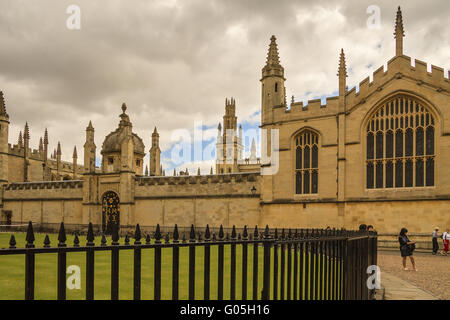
[(306, 163), (400, 145)]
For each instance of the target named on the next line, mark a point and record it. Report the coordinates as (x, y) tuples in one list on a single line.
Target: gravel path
[(433, 273)]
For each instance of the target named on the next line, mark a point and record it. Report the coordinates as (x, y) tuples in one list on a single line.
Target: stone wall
[(225, 199), (44, 202)]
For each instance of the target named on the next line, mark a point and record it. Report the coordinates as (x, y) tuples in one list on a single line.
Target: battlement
[(66, 184), (397, 68), (312, 108), (199, 179)]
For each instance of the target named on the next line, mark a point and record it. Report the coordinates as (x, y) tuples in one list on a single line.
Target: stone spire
[(45, 148), (198, 171), (342, 74), (46, 137), (146, 170), (74, 163), (89, 127), (174, 172), (273, 59), (20, 141), (41, 145), (155, 155), (58, 161), (89, 150), (399, 33), (211, 171), (26, 133), (253, 151), (26, 144), (272, 81), (3, 106)]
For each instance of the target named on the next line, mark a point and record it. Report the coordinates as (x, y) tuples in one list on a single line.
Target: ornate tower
[(89, 150), (273, 89), (399, 33), (155, 155), (58, 162), (229, 144), (26, 152), (4, 130)]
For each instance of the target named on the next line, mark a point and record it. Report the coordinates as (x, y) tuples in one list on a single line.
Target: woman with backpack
[(406, 248)]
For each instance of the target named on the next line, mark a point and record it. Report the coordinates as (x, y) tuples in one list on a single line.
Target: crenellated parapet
[(199, 179), (311, 109), (67, 184), (400, 67)]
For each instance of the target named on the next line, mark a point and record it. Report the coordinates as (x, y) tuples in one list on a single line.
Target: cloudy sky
[(175, 61)]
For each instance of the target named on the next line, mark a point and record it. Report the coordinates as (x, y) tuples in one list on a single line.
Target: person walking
[(435, 240), (406, 248), (446, 240)]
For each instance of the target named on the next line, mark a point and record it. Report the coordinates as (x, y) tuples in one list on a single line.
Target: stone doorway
[(110, 212)]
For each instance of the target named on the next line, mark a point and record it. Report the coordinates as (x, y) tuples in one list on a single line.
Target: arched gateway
[(110, 212)]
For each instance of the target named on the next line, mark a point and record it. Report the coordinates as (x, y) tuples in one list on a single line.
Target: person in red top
[(446, 240)]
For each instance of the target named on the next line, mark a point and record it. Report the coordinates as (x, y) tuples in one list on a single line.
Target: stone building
[(378, 156)]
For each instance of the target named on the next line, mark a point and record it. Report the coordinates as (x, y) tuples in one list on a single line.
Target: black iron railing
[(298, 264)]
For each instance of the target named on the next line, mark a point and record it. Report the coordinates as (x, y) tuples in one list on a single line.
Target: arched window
[(400, 145), (306, 163)]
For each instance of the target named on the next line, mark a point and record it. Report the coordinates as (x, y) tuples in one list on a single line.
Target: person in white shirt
[(435, 240), (446, 240)]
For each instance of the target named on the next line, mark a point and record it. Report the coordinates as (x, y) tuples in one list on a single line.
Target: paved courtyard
[(433, 273)]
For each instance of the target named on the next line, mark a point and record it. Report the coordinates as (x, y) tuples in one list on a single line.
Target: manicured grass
[(12, 272)]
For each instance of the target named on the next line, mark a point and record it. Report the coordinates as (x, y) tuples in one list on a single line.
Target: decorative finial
[(273, 57), (211, 172), (155, 132), (75, 156), (20, 141), (124, 107), (253, 151), (146, 170), (399, 33), (3, 105), (58, 151), (90, 127), (26, 133), (46, 137), (41, 146), (342, 65)]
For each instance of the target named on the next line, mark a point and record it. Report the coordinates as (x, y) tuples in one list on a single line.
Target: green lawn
[(12, 273)]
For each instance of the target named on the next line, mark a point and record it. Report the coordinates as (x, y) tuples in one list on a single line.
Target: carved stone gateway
[(110, 212)]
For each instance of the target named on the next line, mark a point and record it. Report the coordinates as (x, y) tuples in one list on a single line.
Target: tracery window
[(306, 163), (400, 145)]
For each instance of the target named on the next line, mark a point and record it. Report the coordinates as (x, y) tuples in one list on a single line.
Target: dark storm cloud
[(174, 62)]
